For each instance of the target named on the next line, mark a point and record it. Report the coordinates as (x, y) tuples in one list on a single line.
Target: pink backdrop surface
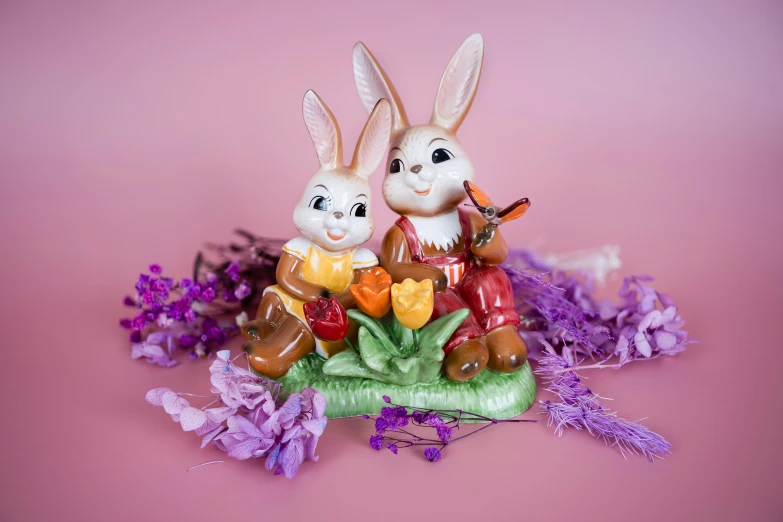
[(132, 133)]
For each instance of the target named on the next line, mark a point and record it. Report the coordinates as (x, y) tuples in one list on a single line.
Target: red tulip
[(327, 319)]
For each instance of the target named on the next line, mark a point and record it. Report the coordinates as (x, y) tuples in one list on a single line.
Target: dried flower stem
[(396, 417)]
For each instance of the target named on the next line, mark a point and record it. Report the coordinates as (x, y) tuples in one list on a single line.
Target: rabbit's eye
[(396, 166), (441, 155), (359, 210), (319, 203)]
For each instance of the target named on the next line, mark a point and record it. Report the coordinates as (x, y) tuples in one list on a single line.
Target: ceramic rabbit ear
[(372, 84), (373, 141), (324, 131), (458, 85)]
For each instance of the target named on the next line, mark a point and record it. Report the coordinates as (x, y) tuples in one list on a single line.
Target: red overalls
[(485, 290)]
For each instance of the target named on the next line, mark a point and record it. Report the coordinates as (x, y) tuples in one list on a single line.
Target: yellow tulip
[(413, 302)]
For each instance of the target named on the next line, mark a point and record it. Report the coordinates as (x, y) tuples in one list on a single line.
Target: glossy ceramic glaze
[(427, 171), (492, 394), (334, 217)]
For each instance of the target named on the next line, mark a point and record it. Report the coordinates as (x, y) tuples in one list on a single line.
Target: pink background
[(131, 134)]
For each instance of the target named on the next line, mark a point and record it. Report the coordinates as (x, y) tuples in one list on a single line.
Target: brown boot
[(278, 351), (271, 313), (466, 360), (507, 350)]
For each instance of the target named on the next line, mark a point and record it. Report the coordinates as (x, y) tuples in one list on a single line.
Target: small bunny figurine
[(334, 217), (434, 238)]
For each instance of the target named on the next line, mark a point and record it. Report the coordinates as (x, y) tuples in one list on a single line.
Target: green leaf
[(371, 351), (434, 336), (375, 327), (403, 335), (347, 364), (405, 365), (430, 370)]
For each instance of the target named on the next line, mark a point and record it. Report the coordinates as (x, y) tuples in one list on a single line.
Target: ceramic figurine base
[(496, 395)]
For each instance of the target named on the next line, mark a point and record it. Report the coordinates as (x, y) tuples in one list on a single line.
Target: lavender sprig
[(578, 407), (391, 424)]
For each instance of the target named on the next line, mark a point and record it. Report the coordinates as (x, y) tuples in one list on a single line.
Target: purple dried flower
[(432, 454), (194, 291), (559, 311), (195, 301), (444, 433), (244, 439), (376, 442), (419, 416), (242, 291), (434, 420), (232, 271), (239, 387), (125, 323), (160, 289), (208, 294), (391, 421), (139, 322), (148, 297), (187, 341), (386, 399), (254, 425), (578, 407), (190, 316), (152, 351)]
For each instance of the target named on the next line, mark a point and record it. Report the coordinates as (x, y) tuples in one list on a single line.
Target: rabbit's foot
[(271, 312), (274, 355), (507, 350), (257, 329), (466, 360)]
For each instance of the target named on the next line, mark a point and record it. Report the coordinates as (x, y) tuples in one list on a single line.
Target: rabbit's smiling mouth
[(423, 192), (334, 237)]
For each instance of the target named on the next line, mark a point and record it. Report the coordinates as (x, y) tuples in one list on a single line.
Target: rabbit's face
[(425, 171), (334, 211), (426, 166)]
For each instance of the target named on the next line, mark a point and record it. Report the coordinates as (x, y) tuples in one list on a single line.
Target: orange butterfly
[(495, 215)]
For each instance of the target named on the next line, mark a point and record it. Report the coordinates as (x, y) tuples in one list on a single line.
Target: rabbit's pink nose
[(338, 215), (416, 169)]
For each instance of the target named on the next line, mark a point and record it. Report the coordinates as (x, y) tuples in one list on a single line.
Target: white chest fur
[(443, 232)]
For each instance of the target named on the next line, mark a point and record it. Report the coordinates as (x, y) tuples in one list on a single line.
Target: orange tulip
[(373, 293)]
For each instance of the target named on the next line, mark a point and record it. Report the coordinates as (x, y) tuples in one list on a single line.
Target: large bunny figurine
[(434, 238), (334, 217)]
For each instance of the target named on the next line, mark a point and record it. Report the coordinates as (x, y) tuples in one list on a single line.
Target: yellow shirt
[(332, 271)]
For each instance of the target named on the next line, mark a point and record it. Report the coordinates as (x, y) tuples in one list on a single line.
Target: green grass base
[(495, 395)]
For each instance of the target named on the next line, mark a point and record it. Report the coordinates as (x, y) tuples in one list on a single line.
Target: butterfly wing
[(514, 210), (477, 195)]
